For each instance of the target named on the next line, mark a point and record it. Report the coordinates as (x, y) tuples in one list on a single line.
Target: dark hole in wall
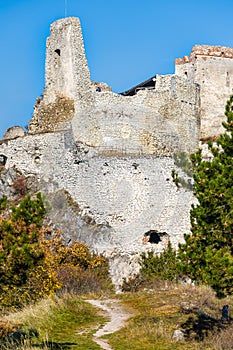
[(155, 236), (58, 51), (135, 165), (3, 159), (37, 159)]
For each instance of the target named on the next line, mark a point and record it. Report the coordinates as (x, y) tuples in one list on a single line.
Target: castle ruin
[(113, 153)]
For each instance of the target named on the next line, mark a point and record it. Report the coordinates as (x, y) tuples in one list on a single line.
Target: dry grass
[(59, 323), (223, 340), (159, 309), (165, 307)]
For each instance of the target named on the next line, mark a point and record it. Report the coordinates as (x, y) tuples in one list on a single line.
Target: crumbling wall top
[(206, 50), (14, 132), (64, 22)]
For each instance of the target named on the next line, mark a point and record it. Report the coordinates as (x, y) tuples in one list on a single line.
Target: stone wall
[(212, 68), (203, 79), (157, 122), (132, 194), (123, 197), (53, 115), (66, 68)]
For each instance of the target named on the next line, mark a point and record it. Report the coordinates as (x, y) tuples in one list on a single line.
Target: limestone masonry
[(112, 154)]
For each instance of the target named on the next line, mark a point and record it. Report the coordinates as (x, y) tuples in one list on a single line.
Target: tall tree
[(20, 241), (207, 254)]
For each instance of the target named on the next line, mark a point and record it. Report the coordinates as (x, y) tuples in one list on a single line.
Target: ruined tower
[(67, 72), (67, 77)]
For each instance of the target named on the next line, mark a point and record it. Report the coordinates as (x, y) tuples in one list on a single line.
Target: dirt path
[(117, 317)]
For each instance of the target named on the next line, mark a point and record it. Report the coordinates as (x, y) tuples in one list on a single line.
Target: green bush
[(19, 242), (164, 266)]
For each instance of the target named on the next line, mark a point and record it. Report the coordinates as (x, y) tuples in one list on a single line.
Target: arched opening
[(37, 159), (3, 159), (58, 51), (154, 236)]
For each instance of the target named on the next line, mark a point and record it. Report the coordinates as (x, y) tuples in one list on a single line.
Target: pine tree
[(207, 254), (19, 241)]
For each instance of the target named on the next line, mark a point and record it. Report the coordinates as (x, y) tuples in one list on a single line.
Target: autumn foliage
[(34, 261)]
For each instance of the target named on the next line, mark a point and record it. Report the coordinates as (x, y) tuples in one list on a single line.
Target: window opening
[(58, 51)]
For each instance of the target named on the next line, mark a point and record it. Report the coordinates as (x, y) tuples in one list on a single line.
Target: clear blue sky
[(126, 42)]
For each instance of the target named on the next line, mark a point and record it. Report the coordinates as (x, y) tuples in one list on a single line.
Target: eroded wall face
[(130, 195), (215, 76), (157, 122), (124, 196)]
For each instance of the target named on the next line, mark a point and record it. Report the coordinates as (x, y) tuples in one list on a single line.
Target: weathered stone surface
[(156, 122), (118, 198), (140, 121), (14, 132), (52, 116), (67, 77)]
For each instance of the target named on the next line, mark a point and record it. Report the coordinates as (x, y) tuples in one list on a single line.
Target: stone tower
[(212, 68), (67, 77), (67, 72)]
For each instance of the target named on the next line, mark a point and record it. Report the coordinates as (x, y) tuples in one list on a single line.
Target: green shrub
[(3, 203), (164, 266)]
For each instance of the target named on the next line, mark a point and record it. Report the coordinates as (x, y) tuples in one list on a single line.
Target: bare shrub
[(132, 284), (82, 281), (20, 186)]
